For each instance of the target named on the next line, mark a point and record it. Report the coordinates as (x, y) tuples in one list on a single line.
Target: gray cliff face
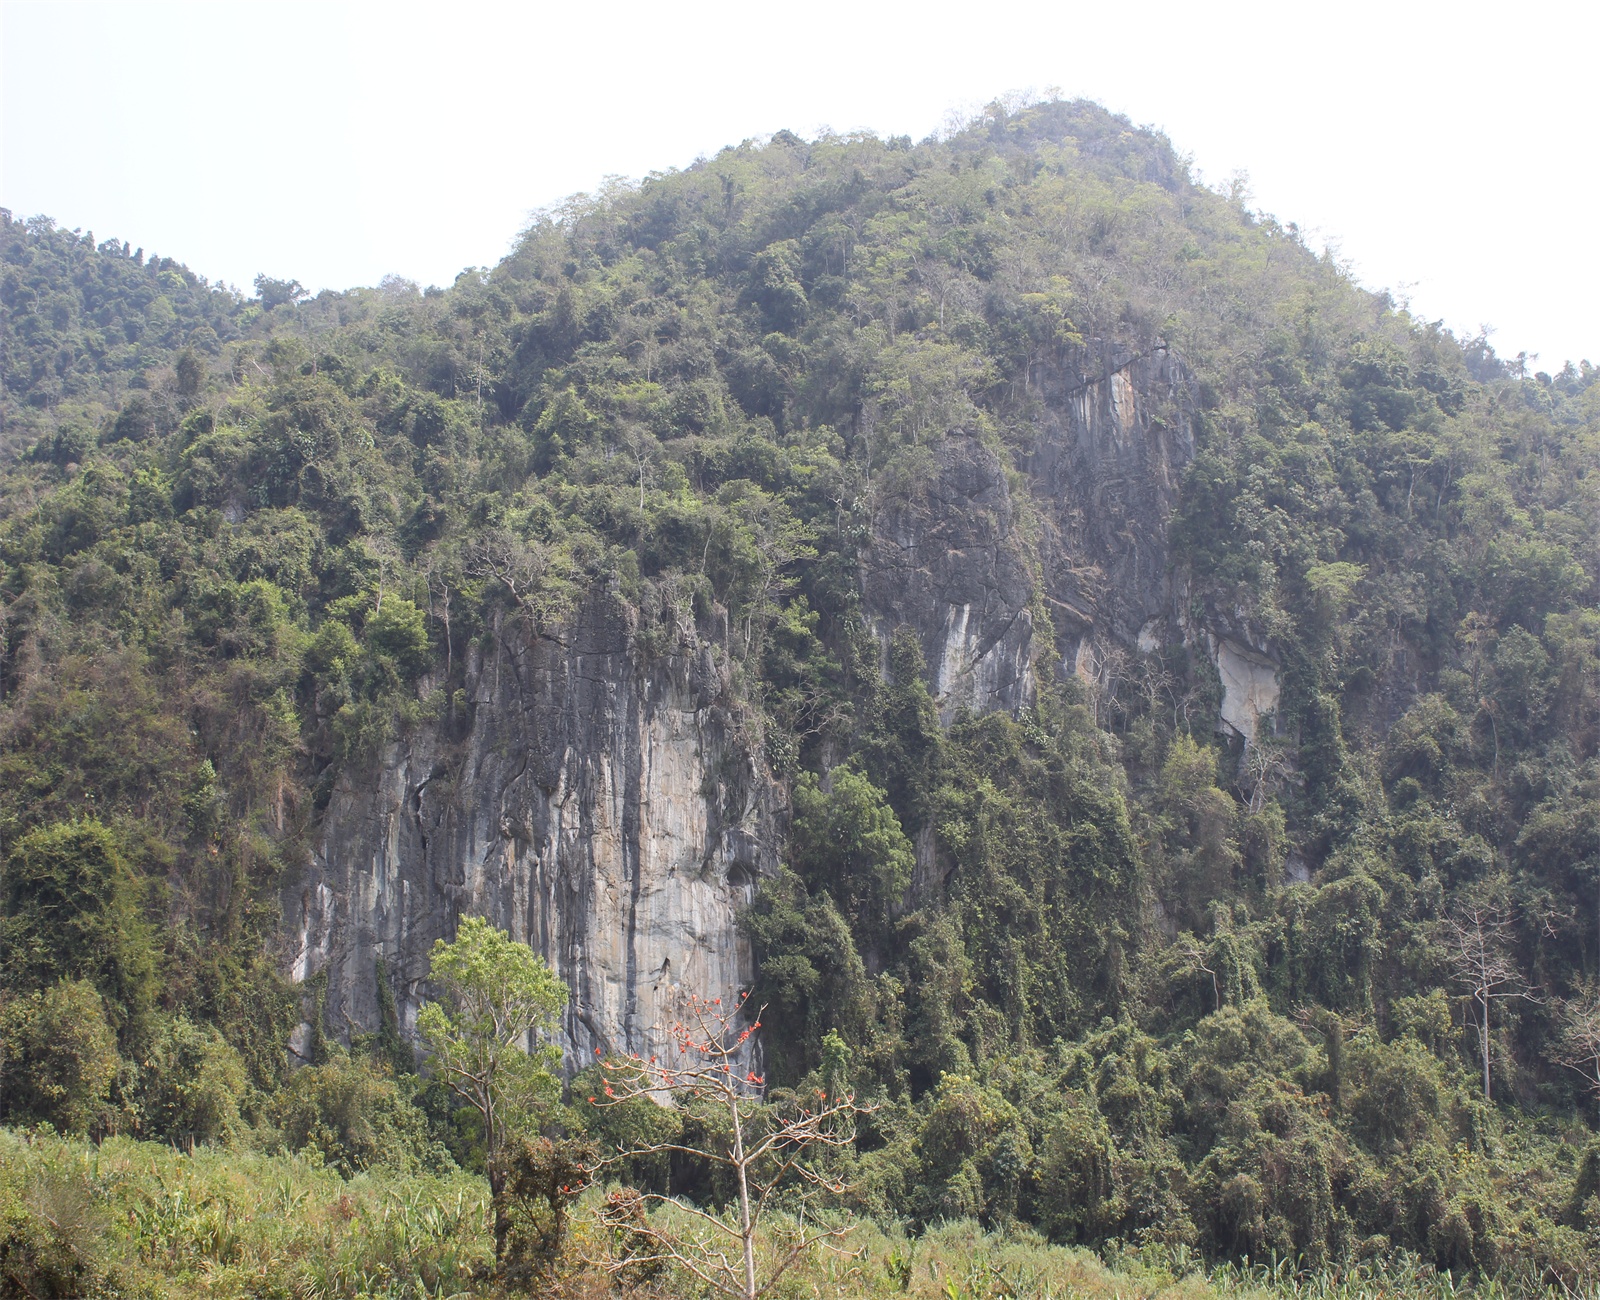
[(948, 562), (602, 805), (599, 806), (1112, 448), (955, 563)]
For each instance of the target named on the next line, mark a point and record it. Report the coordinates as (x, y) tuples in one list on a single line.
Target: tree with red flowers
[(767, 1147)]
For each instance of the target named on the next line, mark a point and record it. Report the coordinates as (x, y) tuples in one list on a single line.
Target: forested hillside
[(1324, 984)]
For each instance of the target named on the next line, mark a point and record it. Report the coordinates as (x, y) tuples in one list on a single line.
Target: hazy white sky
[(1446, 150)]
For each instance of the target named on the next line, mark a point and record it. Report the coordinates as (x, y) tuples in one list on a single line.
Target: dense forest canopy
[(1335, 991)]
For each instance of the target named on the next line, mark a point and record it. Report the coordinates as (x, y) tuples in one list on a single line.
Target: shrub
[(58, 1057), (71, 912), (52, 1238), (355, 1117), (192, 1085)]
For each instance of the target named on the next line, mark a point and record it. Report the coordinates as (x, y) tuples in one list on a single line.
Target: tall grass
[(134, 1218), (139, 1220)]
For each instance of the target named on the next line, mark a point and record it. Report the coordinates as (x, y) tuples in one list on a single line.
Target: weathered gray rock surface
[(598, 805), (604, 806), (956, 563)]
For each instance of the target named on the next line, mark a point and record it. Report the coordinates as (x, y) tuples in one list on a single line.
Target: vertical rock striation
[(955, 562), (1114, 439), (599, 805)]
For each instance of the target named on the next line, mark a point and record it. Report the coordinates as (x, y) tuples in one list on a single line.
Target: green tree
[(353, 1114), (810, 972), (497, 997), (72, 912), (58, 1057), (398, 630), (1077, 1183), (846, 842), (278, 293), (191, 1084)]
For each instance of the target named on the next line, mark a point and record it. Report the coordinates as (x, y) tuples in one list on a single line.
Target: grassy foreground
[(138, 1219)]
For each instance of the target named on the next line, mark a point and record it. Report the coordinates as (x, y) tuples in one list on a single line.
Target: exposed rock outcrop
[(603, 805), (948, 562), (598, 805), (955, 563), (1114, 439), (1249, 687)]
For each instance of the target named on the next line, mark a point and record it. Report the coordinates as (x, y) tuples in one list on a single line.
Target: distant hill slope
[(82, 323)]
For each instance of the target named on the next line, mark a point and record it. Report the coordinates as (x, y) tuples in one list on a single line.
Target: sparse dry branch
[(1265, 768), (768, 1149), (1480, 954), (515, 563), (1196, 957), (1578, 1041)]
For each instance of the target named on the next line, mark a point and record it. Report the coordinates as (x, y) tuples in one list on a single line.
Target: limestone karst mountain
[(1043, 628)]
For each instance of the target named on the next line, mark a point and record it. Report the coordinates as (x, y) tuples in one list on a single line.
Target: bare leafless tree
[(1111, 668), (817, 712), (642, 448), (1265, 768), (440, 582), (1478, 939), (1155, 682), (768, 1149), (386, 554), (514, 562), (1578, 1040), (1190, 949), (481, 376)]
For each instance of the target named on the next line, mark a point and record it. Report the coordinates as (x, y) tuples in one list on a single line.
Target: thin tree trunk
[(1484, 1032), (746, 1229), (502, 1217)]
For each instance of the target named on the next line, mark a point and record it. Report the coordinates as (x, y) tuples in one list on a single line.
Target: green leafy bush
[(354, 1117), (191, 1085), (58, 1057)]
